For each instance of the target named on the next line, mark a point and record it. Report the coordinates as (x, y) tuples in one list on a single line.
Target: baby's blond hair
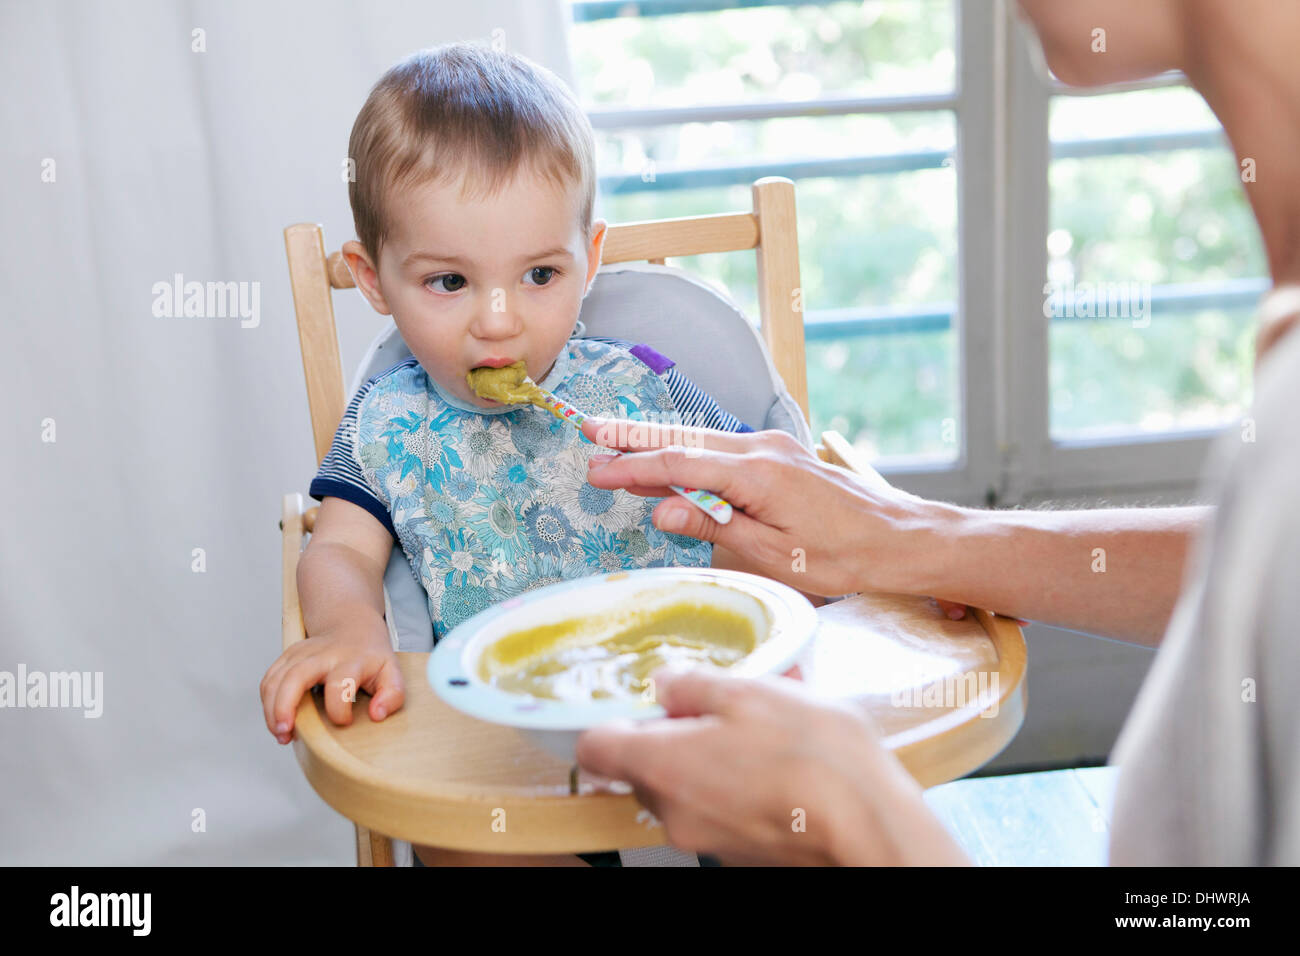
[(469, 112)]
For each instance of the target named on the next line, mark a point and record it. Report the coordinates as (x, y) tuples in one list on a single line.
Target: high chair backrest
[(769, 229)]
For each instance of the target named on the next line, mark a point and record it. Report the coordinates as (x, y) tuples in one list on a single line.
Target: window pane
[(781, 52), (1134, 240), (891, 395), (874, 242), (649, 154), (1190, 368), (868, 244), (876, 192)]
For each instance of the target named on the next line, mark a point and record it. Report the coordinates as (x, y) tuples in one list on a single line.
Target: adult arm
[(825, 530)]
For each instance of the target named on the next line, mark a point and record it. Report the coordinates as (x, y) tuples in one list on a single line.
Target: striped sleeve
[(697, 407), (340, 473)]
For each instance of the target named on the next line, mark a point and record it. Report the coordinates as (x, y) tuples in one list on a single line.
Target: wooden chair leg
[(373, 849)]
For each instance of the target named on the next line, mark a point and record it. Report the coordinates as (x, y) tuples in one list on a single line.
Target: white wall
[(171, 433)]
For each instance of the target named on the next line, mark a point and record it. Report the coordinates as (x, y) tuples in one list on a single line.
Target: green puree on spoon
[(510, 384)]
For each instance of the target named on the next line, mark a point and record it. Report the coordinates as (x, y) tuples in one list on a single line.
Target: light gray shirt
[(1210, 755)]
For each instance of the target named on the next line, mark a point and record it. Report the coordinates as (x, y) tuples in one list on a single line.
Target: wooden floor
[(1050, 818)]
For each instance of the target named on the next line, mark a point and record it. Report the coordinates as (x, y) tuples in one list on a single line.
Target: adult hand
[(760, 771), (815, 526)]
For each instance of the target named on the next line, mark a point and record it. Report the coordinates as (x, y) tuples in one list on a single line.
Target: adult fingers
[(767, 549), (958, 611), (703, 691), (699, 691), (742, 534), (642, 491), (954, 610), (725, 473), (628, 435), (626, 750), (691, 468)]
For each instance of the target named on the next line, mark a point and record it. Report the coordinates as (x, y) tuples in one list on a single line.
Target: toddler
[(473, 202)]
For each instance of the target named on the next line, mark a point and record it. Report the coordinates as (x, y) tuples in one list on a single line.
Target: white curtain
[(140, 141)]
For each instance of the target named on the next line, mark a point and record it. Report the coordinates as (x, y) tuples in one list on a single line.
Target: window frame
[(1002, 152)]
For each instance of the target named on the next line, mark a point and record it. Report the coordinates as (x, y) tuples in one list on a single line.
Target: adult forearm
[(830, 531), (1115, 572)]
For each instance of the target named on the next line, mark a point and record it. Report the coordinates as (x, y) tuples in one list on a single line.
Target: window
[(1152, 210), (958, 213), (692, 103)]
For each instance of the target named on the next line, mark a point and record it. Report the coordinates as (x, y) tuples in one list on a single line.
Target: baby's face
[(487, 280)]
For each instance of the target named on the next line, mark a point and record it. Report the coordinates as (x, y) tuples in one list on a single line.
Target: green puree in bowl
[(611, 656)]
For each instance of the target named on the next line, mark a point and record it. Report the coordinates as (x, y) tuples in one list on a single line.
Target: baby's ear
[(365, 275), (595, 249)]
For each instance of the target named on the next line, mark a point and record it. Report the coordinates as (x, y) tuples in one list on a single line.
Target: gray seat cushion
[(694, 325), (663, 307)]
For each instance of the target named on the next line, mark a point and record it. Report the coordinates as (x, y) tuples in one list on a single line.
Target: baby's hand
[(346, 662)]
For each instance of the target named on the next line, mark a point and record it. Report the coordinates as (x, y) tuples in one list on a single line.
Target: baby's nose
[(499, 319)]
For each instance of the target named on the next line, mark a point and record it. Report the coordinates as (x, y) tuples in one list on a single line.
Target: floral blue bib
[(489, 504)]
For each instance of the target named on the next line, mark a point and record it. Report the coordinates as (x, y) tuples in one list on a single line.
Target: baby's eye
[(447, 282), (540, 275)]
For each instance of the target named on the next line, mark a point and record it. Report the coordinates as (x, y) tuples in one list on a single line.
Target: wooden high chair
[(431, 775)]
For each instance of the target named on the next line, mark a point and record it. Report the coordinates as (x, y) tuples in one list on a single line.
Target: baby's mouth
[(504, 384), (491, 363)]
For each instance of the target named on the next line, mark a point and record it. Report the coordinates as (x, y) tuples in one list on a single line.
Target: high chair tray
[(946, 695)]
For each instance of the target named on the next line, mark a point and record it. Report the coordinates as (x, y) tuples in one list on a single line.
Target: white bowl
[(785, 615)]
